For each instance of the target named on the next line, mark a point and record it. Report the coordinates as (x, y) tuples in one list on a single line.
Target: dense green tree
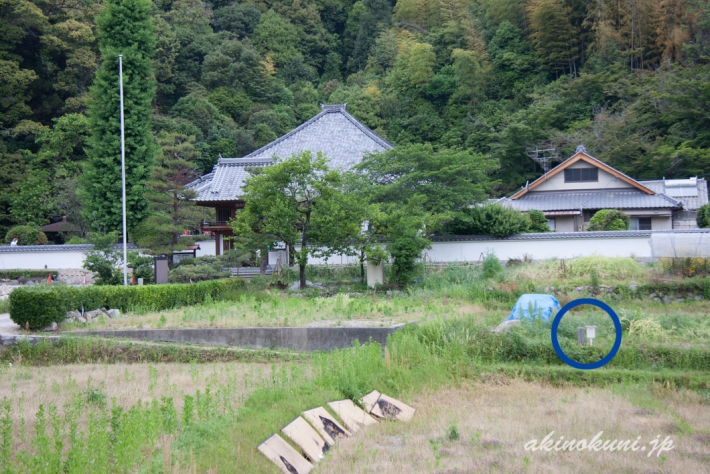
[(627, 78), (447, 179), (124, 28), (554, 36), (298, 201), (173, 210)]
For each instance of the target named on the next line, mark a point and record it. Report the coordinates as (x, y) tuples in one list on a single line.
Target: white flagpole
[(123, 172)]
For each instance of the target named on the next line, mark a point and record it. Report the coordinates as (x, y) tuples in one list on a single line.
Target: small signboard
[(161, 269)]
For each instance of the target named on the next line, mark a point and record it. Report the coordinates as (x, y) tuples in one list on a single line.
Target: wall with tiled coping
[(643, 245)]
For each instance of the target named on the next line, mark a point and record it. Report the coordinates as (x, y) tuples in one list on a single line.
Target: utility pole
[(123, 172)]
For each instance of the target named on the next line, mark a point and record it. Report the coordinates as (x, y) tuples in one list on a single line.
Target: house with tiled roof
[(334, 132), (572, 192)]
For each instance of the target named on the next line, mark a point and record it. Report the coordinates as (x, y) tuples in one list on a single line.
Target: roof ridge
[(583, 152), (364, 128), (326, 109)]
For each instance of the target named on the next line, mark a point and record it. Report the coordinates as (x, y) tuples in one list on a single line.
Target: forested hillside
[(629, 79)]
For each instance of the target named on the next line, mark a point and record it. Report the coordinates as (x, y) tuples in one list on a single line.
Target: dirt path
[(7, 326)]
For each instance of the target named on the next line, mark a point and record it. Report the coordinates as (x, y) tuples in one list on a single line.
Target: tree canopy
[(477, 81), (298, 201)]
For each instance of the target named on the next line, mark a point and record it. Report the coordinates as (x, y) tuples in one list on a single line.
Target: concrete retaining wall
[(299, 339)]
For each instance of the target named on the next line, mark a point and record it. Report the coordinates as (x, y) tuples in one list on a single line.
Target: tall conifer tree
[(124, 28)]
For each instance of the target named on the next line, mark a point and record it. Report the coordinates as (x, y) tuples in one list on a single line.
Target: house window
[(640, 223), (551, 224), (581, 174)]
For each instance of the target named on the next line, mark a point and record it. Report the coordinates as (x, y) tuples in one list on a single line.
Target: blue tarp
[(533, 306)]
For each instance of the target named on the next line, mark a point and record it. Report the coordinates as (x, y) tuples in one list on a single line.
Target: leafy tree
[(103, 260), (276, 36), (26, 235), (609, 219), (240, 19), (298, 201), (142, 266), (447, 179), (703, 216), (124, 28), (554, 36), (172, 205), (406, 244)]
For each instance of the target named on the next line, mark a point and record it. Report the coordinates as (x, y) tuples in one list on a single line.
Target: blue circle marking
[(556, 324)]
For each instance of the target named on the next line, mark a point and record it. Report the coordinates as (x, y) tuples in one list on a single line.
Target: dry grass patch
[(123, 384), (494, 421)]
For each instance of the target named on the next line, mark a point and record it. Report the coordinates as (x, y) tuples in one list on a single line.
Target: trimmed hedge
[(15, 274), (40, 306)]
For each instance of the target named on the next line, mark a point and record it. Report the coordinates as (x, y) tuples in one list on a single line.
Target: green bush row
[(40, 306), (483, 346), (15, 274)]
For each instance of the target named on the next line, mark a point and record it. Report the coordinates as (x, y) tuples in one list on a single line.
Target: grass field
[(86, 405), (485, 427)]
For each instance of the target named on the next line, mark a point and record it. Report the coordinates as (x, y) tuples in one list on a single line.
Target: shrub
[(39, 307), (703, 216), (609, 219), (103, 260), (43, 305), (142, 266), (15, 274), (26, 235), (190, 272), (491, 266), (538, 221), (209, 267), (606, 268), (406, 250), (687, 267), (491, 219)]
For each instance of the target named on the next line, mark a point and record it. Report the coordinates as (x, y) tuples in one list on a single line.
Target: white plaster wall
[(207, 247), (41, 260), (540, 249), (555, 246), (557, 182)]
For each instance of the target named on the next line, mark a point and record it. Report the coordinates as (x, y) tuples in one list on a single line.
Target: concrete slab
[(392, 409), (308, 439), (370, 399), (352, 415), (7, 326), (288, 460), (326, 425)]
